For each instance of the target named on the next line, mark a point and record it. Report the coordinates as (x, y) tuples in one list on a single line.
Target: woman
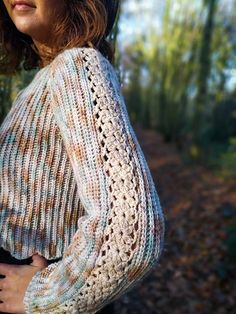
[(78, 205)]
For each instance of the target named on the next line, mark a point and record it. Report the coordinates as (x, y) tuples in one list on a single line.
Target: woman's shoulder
[(87, 62), (80, 56)]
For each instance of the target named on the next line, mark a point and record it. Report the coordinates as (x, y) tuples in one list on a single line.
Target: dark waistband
[(6, 257)]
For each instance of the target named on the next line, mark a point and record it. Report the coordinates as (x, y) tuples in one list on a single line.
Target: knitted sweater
[(74, 183)]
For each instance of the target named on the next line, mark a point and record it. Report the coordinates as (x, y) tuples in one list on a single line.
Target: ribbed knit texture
[(74, 183)]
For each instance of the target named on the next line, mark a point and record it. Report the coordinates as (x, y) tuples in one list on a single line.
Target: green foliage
[(227, 160), (10, 87), (5, 95), (179, 81), (224, 120)]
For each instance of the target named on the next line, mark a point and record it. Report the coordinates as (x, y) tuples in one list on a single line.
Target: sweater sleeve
[(120, 237)]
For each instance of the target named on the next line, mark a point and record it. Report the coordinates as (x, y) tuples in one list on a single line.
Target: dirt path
[(195, 273)]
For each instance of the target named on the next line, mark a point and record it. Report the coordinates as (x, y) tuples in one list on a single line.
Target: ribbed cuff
[(29, 300)]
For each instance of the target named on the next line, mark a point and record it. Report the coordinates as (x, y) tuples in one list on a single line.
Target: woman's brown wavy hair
[(83, 23)]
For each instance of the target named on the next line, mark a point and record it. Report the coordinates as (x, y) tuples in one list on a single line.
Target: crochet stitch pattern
[(75, 184)]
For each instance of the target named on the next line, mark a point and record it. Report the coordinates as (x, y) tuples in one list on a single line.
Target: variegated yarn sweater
[(74, 183)]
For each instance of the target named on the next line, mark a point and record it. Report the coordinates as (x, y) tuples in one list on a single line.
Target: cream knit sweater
[(74, 183)]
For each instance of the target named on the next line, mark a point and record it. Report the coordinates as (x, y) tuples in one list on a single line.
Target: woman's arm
[(121, 236)]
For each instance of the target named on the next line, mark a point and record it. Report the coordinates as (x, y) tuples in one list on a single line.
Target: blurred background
[(176, 60)]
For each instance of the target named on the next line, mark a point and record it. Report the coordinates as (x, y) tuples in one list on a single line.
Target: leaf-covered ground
[(196, 272)]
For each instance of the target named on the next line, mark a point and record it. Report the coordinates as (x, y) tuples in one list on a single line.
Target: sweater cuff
[(41, 277)]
